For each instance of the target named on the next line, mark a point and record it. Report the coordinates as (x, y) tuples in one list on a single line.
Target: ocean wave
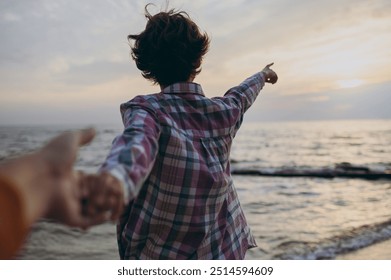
[(329, 248), (344, 170)]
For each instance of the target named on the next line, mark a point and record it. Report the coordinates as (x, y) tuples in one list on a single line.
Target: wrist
[(264, 74)]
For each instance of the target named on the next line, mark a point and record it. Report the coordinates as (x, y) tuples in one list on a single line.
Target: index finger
[(270, 64)]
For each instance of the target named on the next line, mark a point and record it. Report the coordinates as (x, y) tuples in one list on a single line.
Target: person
[(43, 184), (173, 156)]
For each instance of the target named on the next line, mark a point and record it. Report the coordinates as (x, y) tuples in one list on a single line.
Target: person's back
[(173, 157), (188, 197)]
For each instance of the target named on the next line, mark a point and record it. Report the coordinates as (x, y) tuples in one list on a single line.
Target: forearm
[(133, 153), (131, 164), (252, 85), (246, 93)]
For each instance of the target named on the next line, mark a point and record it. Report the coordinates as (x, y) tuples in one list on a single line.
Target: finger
[(90, 210), (81, 222), (80, 177), (117, 210), (111, 202), (86, 222), (99, 218), (113, 205), (102, 202), (76, 218), (86, 136), (97, 204), (270, 64), (275, 78)]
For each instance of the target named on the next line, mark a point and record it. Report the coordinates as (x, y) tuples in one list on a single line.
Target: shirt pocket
[(216, 151)]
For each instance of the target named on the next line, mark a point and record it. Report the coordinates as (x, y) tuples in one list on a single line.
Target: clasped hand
[(78, 199), (102, 199), (270, 75)]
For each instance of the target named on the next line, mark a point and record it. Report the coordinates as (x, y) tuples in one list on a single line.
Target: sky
[(68, 61)]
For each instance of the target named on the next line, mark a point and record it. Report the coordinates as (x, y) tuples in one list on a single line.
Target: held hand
[(270, 75), (67, 205), (106, 197)]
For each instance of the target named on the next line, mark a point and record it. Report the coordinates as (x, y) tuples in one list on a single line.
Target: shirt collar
[(184, 88)]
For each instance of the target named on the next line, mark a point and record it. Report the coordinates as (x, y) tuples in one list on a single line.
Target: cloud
[(319, 98), (94, 73), (10, 17), (366, 102)]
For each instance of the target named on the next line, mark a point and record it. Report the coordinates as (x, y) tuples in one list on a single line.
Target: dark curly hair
[(170, 49)]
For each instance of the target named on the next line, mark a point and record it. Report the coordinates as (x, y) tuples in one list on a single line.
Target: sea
[(290, 217)]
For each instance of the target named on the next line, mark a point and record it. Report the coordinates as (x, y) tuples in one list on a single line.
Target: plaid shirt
[(173, 158)]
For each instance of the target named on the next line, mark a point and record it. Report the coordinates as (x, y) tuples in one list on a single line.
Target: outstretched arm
[(128, 164), (244, 95)]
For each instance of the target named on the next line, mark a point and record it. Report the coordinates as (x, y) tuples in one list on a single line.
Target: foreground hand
[(68, 192), (270, 75)]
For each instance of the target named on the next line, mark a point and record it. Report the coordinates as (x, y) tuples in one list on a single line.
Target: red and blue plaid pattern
[(173, 158)]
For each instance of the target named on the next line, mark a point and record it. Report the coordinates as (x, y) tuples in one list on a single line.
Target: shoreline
[(377, 251)]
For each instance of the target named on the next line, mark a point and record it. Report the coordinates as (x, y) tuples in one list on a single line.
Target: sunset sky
[(68, 62)]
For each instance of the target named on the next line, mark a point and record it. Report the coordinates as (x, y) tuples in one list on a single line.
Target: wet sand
[(378, 251)]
